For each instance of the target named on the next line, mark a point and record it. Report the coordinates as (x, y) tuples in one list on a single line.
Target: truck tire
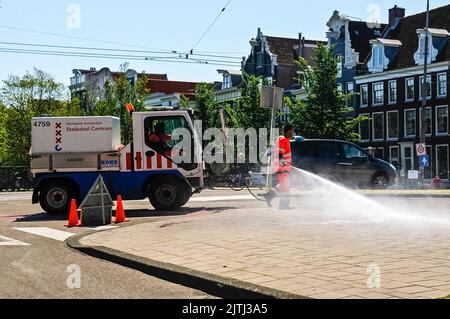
[(55, 197), (166, 194), (187, 194)]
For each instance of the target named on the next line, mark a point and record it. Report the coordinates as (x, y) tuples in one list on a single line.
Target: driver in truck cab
[(159, 139)]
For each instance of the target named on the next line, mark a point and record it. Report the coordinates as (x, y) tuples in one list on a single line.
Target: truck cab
[(68, 154)]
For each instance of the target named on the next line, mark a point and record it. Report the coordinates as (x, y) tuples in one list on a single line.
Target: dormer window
[(227, 83), (378, 57), (379, 60), (433, 52)]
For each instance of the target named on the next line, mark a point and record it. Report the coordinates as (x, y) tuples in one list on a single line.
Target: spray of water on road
[(337, 203)]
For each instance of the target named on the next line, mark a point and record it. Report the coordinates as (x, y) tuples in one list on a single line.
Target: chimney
[(300, 45), (396, 13), (93, 69)]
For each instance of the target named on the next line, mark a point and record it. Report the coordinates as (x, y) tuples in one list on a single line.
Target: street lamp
[(423, 120)]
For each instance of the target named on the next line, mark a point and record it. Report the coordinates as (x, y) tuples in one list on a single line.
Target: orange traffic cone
[(120, 212), (73, 216)]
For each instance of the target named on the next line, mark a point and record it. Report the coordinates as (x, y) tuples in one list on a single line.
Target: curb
[(211, 284)]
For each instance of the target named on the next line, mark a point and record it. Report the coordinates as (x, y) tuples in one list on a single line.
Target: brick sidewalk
[(305, 253)]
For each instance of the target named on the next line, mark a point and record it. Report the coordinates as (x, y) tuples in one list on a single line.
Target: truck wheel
[(187, 194), (55, 197), (166, 194)]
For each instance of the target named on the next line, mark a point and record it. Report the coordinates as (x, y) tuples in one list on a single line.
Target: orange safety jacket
[(283, 156)]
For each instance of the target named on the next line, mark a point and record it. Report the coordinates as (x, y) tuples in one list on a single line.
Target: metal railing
[(17, 178)]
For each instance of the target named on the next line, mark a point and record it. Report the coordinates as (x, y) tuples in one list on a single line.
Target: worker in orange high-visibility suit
[(282, 167)]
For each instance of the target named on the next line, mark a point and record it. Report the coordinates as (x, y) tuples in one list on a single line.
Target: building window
[(428, 122), (259, 60), (392, 92), (392, 125), (378, 57), (442, 120), (378, 126), (410, 123), (419, 56), (339, 62), (227, 84), (350, 91), (429, 170), (364, 95), (442, 161), (394, 156), (442, 84), (378, 93), (364, 129), (427, 87), (409, 85), (409, 160)]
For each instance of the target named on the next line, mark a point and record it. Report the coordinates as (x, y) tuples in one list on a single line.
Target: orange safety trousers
[(284, 182)]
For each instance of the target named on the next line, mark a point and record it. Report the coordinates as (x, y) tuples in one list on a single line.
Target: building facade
[(273, 59), (390, 93), (88, 85)]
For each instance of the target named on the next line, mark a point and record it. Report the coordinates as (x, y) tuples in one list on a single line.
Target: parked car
[(342, 162)]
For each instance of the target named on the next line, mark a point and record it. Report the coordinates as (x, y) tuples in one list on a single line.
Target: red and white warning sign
[(421, 149)]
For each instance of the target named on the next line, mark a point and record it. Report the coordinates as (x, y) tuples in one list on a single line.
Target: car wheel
[(380, 181)]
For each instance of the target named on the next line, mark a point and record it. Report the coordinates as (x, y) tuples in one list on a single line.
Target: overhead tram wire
[(122, 56), (210, 26), (170, 51), (110, 56)]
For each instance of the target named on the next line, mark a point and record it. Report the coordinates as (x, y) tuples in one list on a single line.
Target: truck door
[(158, 143)]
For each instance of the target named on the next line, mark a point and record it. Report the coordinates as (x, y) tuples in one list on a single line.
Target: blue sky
[(169, 25)]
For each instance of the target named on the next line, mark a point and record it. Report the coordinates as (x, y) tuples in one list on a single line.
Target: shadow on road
[(130, 213)]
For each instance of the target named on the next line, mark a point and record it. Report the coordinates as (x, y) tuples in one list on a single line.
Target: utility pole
[(423, 121)]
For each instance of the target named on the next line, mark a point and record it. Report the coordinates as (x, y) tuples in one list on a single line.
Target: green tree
[(248, 112), (117, 95), (205, 107), (35, 94), (324, 113)]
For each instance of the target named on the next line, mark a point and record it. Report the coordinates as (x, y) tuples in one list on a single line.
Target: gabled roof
[(172, 87), (153, 76), (361, 33), (286, 49), (406, 33)]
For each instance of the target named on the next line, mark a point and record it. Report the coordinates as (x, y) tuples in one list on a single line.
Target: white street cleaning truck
[(68, 154)]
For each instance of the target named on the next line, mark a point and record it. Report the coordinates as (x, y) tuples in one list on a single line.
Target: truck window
[(158, 132)]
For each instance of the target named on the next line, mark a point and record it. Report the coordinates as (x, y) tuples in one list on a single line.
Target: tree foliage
[(117, 95), (248, 112), (324, 114), (23, 97)]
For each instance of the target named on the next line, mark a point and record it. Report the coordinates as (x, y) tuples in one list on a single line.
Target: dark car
[(342, 162)]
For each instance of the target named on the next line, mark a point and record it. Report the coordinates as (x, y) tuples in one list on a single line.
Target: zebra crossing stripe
[(47, 232), (5, 241)]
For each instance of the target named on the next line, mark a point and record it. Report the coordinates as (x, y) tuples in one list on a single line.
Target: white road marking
[(5, 241), (99, 228), (47, 232), (221, 198)]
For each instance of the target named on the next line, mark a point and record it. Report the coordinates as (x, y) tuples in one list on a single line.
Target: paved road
[(36, 263), (35, 260)]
